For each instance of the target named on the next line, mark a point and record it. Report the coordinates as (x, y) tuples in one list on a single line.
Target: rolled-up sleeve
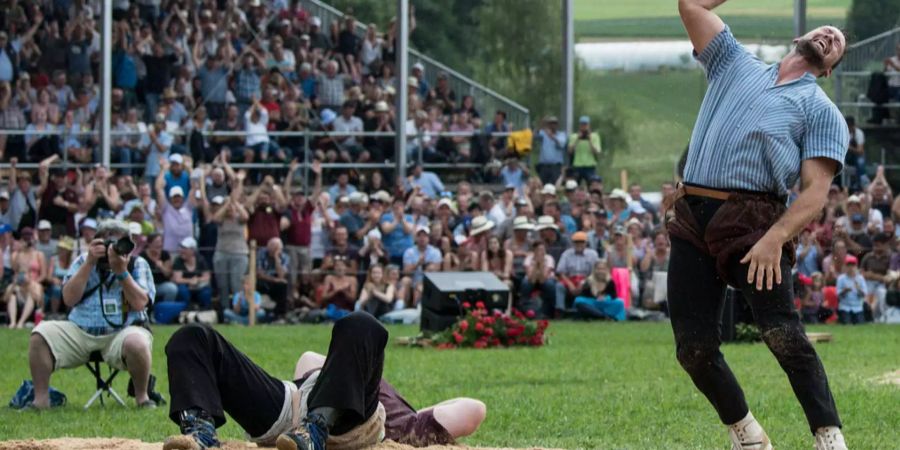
[(827, 136), (719, 54), (143, 276)]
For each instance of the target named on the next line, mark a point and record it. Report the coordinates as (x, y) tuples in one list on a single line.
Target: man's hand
[(117, 263), (96, 251), (765, 263)]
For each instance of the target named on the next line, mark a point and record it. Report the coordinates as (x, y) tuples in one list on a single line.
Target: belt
[(704, 192)]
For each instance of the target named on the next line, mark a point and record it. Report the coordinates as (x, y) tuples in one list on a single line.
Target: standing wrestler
[(341, 400), (761, 129)]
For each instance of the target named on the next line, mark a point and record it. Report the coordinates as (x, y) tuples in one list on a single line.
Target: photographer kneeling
[(104, 317)]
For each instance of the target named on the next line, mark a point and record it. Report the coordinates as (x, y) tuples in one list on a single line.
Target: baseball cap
[(510, 187), (135, 228), (571, 185), (584, 120), (4, 194), (549, 189), (328, 116), (176, 190), (850, 259), (579, 236), (854, 199), (5, 228), (44, 225), (89, 223), (176, 158), (419, 66), (188, 242), (423, 228), (315, 21)]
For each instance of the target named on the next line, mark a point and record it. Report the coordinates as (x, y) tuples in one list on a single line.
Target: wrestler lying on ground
[(341, 400)]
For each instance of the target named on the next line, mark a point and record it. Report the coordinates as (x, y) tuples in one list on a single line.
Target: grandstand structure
[(851, 84), (487, 100)]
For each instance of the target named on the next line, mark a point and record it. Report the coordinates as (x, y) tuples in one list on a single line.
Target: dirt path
[(131, 444)]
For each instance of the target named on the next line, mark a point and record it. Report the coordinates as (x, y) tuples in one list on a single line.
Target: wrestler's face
[(823, 47)]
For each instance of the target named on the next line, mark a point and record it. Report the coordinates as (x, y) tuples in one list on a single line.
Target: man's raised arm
[(701, 23)]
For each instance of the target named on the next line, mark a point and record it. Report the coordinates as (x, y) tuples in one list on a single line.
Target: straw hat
[(480, 224), (522, 223), (545, 222)]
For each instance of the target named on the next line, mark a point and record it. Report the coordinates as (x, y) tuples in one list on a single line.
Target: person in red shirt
[(266, 204), (297, 224)]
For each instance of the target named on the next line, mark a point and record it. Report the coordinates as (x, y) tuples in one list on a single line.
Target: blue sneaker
[(198, 432), (310, 435)]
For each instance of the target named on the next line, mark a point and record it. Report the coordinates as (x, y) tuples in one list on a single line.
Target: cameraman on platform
[(104, 317)]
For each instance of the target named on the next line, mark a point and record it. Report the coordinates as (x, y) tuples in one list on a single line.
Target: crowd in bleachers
[(350, 239)]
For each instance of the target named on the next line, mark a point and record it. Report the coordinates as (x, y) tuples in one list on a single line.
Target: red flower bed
[(480, 328)]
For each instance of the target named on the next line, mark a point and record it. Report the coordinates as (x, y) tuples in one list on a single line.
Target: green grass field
[(597, 385), (659, 111), (759, 19)]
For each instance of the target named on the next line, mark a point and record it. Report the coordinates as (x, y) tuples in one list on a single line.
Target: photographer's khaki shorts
[(72, 347)]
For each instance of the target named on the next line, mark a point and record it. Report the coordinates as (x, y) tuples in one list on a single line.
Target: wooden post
[(623, 178), (251, 274)]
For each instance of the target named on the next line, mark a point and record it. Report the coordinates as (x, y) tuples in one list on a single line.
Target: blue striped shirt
[(753, 134), (88, 314)]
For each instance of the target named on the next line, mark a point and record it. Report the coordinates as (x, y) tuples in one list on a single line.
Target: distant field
[(659, 108), (758, 19)]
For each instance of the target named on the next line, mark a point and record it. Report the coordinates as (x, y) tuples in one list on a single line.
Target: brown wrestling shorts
[(405, 425)]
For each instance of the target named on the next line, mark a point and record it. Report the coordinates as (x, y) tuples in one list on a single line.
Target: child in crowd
[(852, 291), (240, 307)]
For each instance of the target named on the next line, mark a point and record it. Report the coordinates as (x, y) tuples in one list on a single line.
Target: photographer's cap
[(584, 120), (176, 190), (188, 242), (44, 225)]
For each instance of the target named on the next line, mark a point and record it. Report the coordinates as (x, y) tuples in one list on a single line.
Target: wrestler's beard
[(810, 53)]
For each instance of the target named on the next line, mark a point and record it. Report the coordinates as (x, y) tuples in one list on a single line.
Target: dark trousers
[(549, 173), (696, 295), (207, 372), (277, 292)]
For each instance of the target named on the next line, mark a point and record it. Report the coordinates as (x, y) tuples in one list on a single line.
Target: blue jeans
[(122, 155), (543, 302), (849, 317), (584, 173), (166, 291), (202, 296), (608, 308)]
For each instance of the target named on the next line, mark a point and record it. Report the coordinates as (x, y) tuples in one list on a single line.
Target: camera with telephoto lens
[(123, 246)]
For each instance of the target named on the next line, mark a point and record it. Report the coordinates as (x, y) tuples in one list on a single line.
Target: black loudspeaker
[(444, 293)]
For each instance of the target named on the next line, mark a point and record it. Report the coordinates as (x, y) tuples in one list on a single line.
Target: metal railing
[(851, 80), (307, 135), (486, 100)]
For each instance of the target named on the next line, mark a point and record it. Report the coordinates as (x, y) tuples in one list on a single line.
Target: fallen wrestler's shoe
[(748, 434), (310, 435), (198, 432)]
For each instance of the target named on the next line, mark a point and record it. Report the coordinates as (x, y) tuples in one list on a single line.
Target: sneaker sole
[(284, 442), (181, 442)]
